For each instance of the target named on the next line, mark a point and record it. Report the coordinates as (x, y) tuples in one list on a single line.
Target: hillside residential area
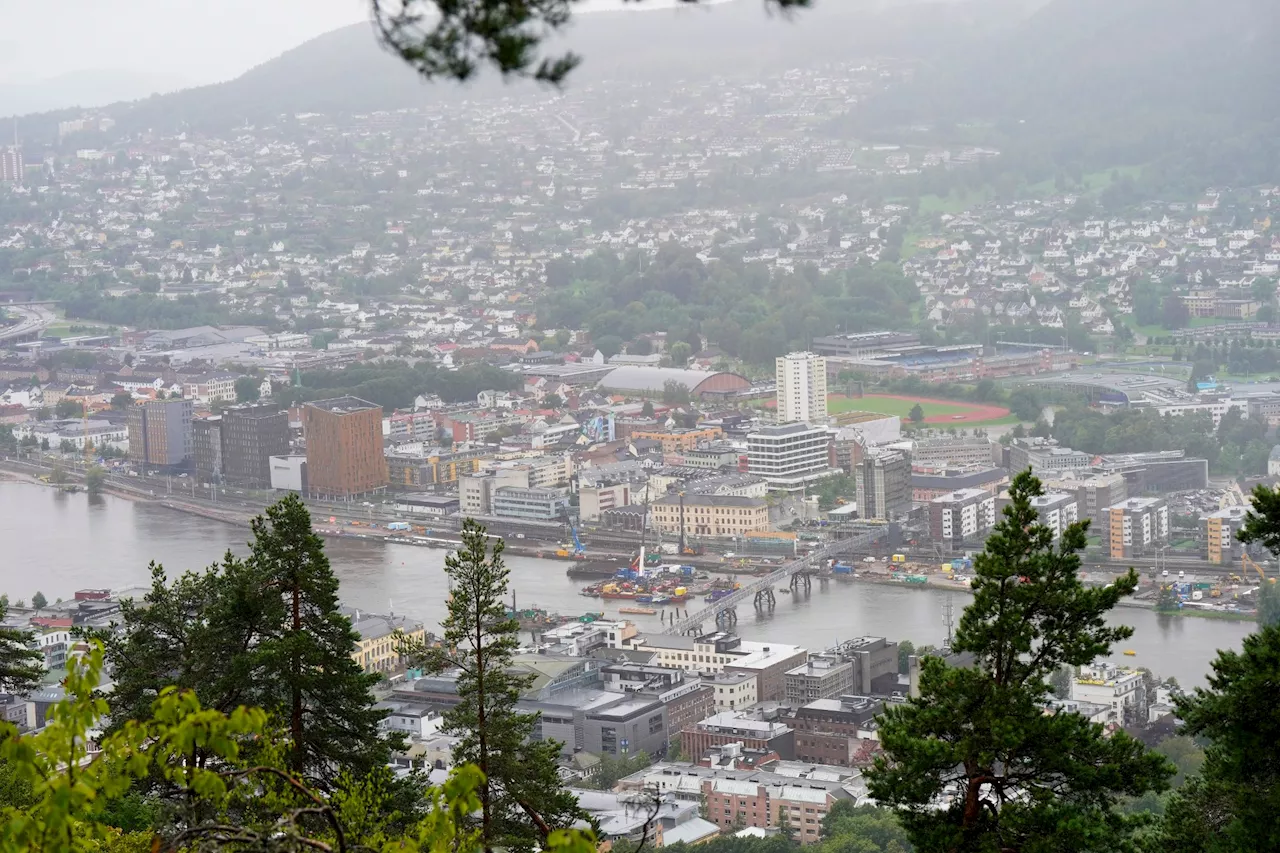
[(700, 346)]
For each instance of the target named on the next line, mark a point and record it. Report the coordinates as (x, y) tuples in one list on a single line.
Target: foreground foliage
[(1233, 806), (265, 631), (246, 800), (974, 763), (522, 801)]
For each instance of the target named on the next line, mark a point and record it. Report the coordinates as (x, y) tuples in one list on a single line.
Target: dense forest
[(395, 384), (1237, 446), (746, 310), (149, 311)]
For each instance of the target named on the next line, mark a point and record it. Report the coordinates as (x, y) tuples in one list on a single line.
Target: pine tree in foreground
[(263, 632), (1233, 806), (522, 801), (21, 667), (304, 655), (975, 765)]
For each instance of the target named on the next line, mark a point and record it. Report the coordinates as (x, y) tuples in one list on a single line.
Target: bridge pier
[(798, 573)]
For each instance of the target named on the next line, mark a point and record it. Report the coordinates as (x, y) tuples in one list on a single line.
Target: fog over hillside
[(345, 69)]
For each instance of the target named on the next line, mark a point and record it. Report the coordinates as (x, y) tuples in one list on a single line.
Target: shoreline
[(448, 540)]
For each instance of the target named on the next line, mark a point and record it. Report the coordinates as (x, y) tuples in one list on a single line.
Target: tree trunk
[(295, 721), (486, 817)]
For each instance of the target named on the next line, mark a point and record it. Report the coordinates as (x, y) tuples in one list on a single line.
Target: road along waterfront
[(57, 542)]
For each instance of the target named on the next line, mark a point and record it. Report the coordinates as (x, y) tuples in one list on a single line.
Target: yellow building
[(1220, 533), (378, 649), (680, 440), (710, 515)]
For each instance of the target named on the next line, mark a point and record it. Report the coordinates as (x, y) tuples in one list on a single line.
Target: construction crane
[(88, 446), (1247, 562), (685, 548)]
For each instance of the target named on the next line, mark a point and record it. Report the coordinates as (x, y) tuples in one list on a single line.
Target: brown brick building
[(687, 707), (831, 731), (251, 435), (800, 807), (735, 727), (344, 447)]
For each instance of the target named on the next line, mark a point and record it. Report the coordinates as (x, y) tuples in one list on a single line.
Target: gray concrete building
[(821, 677)]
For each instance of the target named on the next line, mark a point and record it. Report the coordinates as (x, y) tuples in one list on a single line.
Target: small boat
[(1130, 652), (637, 611)]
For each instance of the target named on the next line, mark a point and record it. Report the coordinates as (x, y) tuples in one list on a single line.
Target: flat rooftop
[(344, 405)]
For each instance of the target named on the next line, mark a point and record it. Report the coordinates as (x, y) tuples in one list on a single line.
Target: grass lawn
[(63, 329), (902, 408), (890, 406)]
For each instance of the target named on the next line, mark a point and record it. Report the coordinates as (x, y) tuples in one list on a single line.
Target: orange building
[(679, 440), (344, 447)]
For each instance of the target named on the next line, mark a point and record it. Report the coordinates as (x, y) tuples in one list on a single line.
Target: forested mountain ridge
[(1181, 86), (347, 71)]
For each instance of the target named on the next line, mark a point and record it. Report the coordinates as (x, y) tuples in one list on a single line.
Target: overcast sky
[(188, 41)]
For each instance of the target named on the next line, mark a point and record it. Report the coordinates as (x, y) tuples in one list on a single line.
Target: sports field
[(941, 412)]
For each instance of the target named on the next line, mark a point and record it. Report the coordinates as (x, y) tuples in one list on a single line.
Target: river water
[(58, 543)]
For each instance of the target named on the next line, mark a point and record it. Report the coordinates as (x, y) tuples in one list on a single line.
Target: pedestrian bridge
[(761, 590)]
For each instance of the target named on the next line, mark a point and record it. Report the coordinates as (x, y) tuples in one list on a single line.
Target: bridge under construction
[(797, 574)]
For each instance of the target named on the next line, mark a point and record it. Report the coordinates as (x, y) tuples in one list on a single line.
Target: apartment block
[(962, 514), (11, 165), (1094, 493), (379, 640), (251, 435), (420, 468), (344, 447), (883, 482), (1137, 527), (599, 498), (160, 433), (206, 448), (534, 472), (1120, 689), (790, 456), (475, 495), (743, 803), (801, 388), (1057, 510), (1220, 529)]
